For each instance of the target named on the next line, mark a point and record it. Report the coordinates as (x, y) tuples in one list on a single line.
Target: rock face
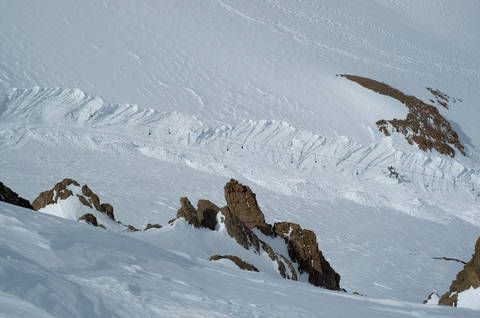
[(468, 277), (242, 202), (188, 212), (242, 215), (207, 214), (152, 226), (424, 125), (61, 191), (238, 230), (303, 249), (9, 196), (51, 196), (89, 218), (238, 261)]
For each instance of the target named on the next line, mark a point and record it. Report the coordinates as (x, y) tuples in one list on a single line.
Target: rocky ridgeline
[(468, 277), (69, 188), (242, 215), (9, 196)]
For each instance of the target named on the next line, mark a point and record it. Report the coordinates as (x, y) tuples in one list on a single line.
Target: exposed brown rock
[(102, 226), (273, 256), (424, 125), (429, 297), (88, 218), (293, 273), (9, 196), (242, 203), (108, 210), (303, 249), (152, 226), (207, 214), (239, 231), (59, 191), (188, 212), (132, 228), (84, 201), (238, 261), (92, 196), (441, 98), (468, 277)]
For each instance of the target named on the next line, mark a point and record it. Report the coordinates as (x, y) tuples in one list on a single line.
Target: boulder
[(132, 228), (152, 226), (303, 249), (238, 261), (88, 218), (468, 277), (9, 196), (242, 202), (207, 214), (188, 212)]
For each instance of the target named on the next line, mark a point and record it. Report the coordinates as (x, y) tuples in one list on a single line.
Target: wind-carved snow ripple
[(271, 153)]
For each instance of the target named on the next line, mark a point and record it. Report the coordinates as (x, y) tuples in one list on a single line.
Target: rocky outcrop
[(242, 202), (88, 218), (468, 277), (61, 191), (424, 125), (243, 214), (238, 230), (9, 196), (432, 298), (238, 261), (303, 250), (207, 214), (132, 228), (188, 212), (152, 226)]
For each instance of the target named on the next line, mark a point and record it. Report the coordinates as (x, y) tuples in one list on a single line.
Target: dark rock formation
[(152, 226), (424, 125), (239, 231), (242, 202), (242, 214), (132, 228), (303, 249), (207, 214), (238, 261), (60, 191), (88, 218), (9, 196), (188, 212), (468, 277), (108, 210), (430, 297)]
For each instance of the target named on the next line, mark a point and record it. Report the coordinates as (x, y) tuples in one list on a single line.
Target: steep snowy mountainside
[(233, 60), (52, 267)]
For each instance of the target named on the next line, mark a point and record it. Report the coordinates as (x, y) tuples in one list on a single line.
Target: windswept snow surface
[(51, 267), (243, 89)]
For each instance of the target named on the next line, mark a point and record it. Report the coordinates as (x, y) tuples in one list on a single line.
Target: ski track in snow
[(291, 160)]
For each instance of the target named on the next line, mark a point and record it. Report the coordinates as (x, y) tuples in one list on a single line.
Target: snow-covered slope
[(243, 89), (52, 267)]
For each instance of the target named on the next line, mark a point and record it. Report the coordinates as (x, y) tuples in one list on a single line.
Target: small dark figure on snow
[(392, 172)]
